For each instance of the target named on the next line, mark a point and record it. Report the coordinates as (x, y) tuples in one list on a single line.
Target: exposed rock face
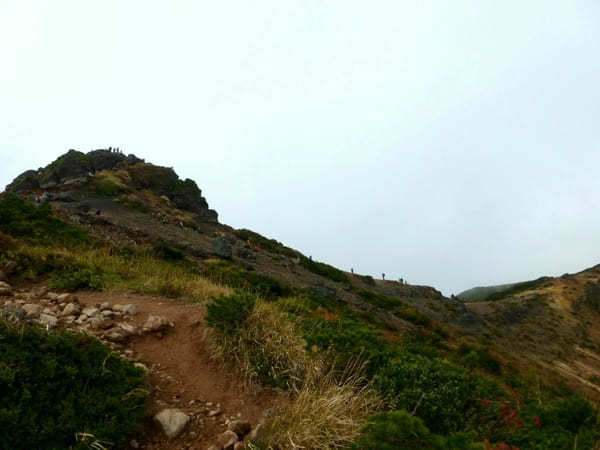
[(75, 169)]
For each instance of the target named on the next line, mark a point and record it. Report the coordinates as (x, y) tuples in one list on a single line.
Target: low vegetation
[(325, 270), (65, 390)]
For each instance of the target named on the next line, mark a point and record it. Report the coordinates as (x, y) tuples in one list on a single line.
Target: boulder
[(5, 288), (91, 311), (239, 446), (240, 427), (97, 323), (128, 329), (172, 421), (115, 334), (48, 320), (157, 323), (227, 440), (221, 247), (32, 309), (71, 309), (129, 309)]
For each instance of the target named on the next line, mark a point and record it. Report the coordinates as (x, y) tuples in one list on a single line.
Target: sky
[(453, 144)]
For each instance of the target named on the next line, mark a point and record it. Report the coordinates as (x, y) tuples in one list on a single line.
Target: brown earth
[(184, 374)]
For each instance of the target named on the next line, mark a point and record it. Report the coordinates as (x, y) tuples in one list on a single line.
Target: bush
[(36, 224), (74, 277), (473, 357), (169, 254), (347, 339), (436, 391), (223, 272), (54, 386), (270, 245), (325, 270), (228, 314), (400, 430)]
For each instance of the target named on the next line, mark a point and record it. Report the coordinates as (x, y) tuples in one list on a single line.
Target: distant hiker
[(401, 281), (383, 276), (181, 224), (37, 199), (351, 270), (110, 149), (98, 212), (310, 257)]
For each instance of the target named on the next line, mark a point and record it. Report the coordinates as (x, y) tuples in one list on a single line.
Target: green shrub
[(234, 276), (229, 314), (53, 386), (74, 277), (349, 339), (474, 357), (325, 270), (167, 253), (436, 391), (270, 245), (367, 279), (399, 430), (106, 188), (37, 224)]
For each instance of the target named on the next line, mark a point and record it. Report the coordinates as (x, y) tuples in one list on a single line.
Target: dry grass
[(141, 273), (268, 348), (329, 412)]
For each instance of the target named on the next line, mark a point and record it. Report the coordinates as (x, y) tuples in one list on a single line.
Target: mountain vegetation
[(353, 362)]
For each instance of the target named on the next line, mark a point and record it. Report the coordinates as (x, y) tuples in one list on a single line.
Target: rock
[(81, 319), (227, 440), (139, 365), (221, 247), (240, 427), (97, 323), (172, 421), (213, 447), (115, 334), (91, 311), (5, 288), (157, 323), (104, 306), (134, 444), (71, 309), (32, 309), (65, 297), (68, 320), (128, 329), (239, 446), (48, 320), (129, 310), (107, 313), (52, 295), (214, 412), (39, 292)]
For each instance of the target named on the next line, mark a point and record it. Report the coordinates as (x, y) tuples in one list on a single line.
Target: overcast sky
[(452, 143)]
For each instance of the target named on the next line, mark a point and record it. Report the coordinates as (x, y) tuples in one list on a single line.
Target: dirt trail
[(184, 375)]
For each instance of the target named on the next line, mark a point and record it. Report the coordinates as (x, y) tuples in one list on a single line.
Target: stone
[(227, 440), (117, 307), (48, 320), (91, 311), (104, 306), (128, 329), (71, 309), (52, 295), (107, 313), (5, 288), (97, 323), (40, 292), (157, 323), (213, 447), (81, 319), (64, 297), (129, 310), (142, 366), (68, 320), (172, 421), (239, 446), (214, 412), (32, 310), (221, 247), (115, 334), (240, 427)]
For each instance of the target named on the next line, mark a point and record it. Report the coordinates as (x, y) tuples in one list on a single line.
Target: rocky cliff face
[(81, 171)]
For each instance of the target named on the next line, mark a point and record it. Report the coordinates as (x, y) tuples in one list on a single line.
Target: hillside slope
[(462, 373)]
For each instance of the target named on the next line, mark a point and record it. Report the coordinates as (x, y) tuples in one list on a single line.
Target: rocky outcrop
[(172, 421), (75, 169)]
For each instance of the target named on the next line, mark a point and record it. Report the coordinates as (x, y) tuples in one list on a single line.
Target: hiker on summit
[(351, 269), (383, 276)]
